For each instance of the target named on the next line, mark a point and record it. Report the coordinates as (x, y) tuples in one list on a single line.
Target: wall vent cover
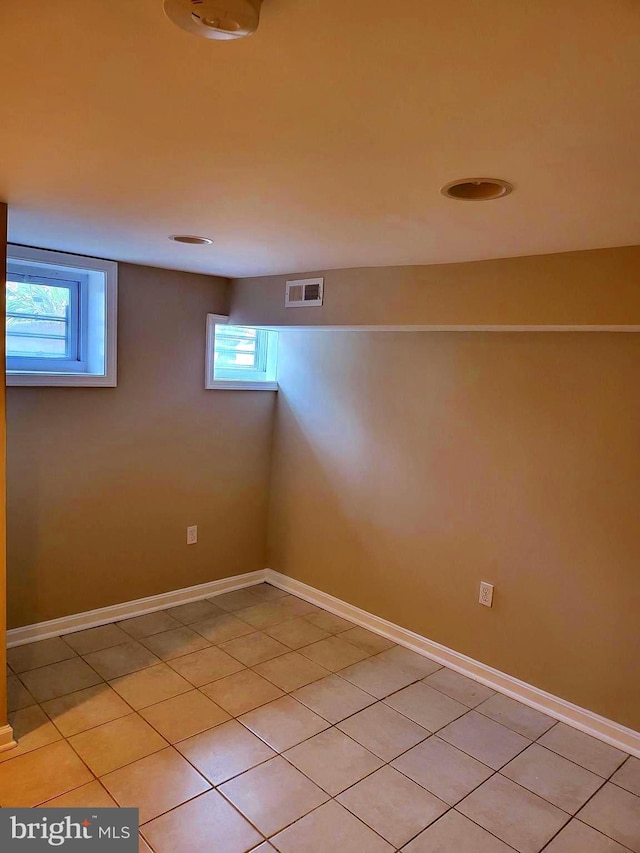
[(304, 293)]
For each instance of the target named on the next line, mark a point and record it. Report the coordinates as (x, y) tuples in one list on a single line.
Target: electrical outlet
[(486, 594), (192, 535)]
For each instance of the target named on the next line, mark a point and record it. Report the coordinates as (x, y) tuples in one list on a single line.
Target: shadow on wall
[(103, 482), (408, 467)]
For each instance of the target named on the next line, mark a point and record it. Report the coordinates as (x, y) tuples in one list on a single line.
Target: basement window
[(240, 358), (61, 319)]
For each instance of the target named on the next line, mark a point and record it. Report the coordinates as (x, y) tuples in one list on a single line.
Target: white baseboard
[(606, 730), (6, 738), (105, 615)]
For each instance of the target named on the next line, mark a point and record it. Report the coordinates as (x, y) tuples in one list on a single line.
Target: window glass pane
[(239, 348), (37, 320)]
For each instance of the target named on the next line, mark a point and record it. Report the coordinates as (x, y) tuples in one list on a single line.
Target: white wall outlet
[(192, 535), (486, 594)]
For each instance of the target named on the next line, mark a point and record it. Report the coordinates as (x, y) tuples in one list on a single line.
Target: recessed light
[(191, 239), (477, 189), (215, 19)]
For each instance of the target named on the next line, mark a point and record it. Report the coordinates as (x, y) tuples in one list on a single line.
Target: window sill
[(66, 380), (237, 385)]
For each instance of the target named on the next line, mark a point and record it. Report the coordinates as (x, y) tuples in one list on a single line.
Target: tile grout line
[(330, 725)]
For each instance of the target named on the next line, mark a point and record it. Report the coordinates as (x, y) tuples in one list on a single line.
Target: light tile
[(149, 686), (155, 784), (143, 847), (254, 648), (95, 639), (333, 761), (195, 611), (39, 776), (264, 615), (334, 653), (443, 770), (297, 606), (333, 698), (86, 709), (225, 752), (205, 666), (31, 729), (267, 592), (377, 677), (184, 716), (207, 823), (17, 694), (383, 731), (264, 848), (117, 743), (331, 827), (516, 816), (576, 837), (219, 629), (394, 806), (454, 833), (556, 779), (369, 642), (484, 739), (58, 679), (628, 776), (583, 749), (428, 707), (291, 671), (174, 644), (328, 622), (515, 716), (90, 796), (459, 687), (296, 633), (283, 723), (273, 795), (151, 623), (121, 660), (616, 813), (415, 665), (34, 655), (238, 599), (242, 692)]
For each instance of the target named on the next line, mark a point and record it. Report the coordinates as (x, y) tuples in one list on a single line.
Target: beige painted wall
[(597, 287), (103, 482), (408, 467)]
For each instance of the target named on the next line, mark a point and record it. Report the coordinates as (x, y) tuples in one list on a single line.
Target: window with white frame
[(61, 319), (240, 357)]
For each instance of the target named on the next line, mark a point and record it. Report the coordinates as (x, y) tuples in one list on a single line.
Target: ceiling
[(323, 140)]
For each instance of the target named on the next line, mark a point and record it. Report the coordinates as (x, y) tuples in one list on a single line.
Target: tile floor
[(256, 722)]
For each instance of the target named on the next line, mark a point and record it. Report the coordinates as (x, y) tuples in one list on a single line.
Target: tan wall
[(408, 467), (3, 599), (597, 287), (103, 482)]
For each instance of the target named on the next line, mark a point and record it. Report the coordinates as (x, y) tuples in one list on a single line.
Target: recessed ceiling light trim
[(477, 189), (191, 239), (215, 19)]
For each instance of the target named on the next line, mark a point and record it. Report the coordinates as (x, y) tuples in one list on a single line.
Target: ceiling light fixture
[(191, 240), (215, 19), (477, 189)]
